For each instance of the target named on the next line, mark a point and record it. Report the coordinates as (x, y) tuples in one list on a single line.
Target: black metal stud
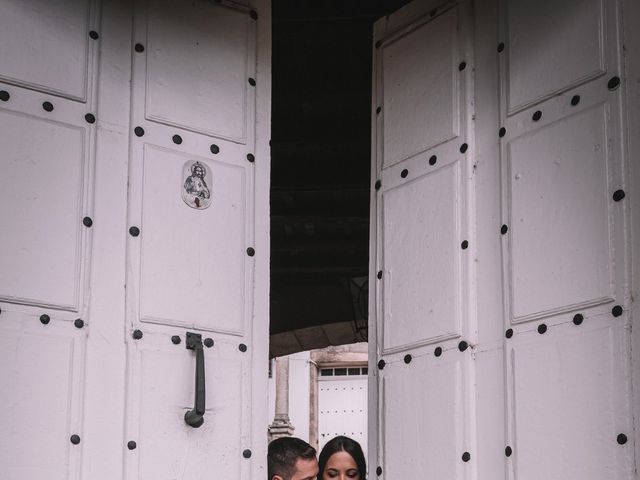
[(379, 275), (78, 323), (618, 195), (466, 456), (462, 66), (177, 139), (45, 319), (137, 334), (575, 100), (246, 453), (139, 131), (501, 47), (175, 339), (253, 14), (134, 231), (4, 95), (251, 157), (251, 251), (432, 160), (509, 333), (621, 439), (215, 149), (463, 148), (242, 347), (208, 342), (404, 173), (87, 222), (75, 439), (408, 358), (139, 48), (578, 318), (378, 110), (438, 351), (464, 245), (502, 132), (508, 451), (462, 346), (90, 118), (94, 35), (616, 311), (377, 185), (381, 364), (131, 445), (504, 229), (378, 43), (613, 83), (537, 115), (252, 82), (379, 471), (47, 106), (542, 329)]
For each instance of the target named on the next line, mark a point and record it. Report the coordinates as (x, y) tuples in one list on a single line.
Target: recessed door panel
[(567, 403), (168, 447), (41, 206), (552, 47), (420, 110), (421, 260), (560, 232), (192, 260), (41, 371), (197, 67), (423, 418), (44, 45)]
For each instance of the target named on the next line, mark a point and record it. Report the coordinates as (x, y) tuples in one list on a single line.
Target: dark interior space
[(320, 180)]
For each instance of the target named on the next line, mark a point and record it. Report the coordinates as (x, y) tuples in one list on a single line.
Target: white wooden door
[(500, 316), (134, 200)]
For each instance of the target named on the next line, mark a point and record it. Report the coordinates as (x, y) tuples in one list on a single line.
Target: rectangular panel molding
[(421, 279), (552, 47), (216, 44), (41, 203), (420, 110), (192, 262), (45, 45), (560, 235)]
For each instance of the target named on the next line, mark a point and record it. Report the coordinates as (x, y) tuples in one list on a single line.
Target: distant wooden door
[(500, 297), (134, 199)]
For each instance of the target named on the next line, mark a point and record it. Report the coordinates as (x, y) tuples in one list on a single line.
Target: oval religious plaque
[(195, 188)]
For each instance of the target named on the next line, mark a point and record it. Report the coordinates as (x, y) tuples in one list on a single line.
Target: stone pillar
[(281, 426), (313, 404)]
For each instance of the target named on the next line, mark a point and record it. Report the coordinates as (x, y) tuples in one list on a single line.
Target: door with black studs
[(134, 263), (500, 301)]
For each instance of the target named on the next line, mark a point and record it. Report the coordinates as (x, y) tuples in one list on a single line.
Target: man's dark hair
[(284, 453)]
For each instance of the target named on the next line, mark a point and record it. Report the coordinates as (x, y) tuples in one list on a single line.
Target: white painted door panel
[(45, 45), (499, 307), (104, 267)]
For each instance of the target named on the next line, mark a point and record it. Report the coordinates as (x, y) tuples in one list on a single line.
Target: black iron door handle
[(195, 417)]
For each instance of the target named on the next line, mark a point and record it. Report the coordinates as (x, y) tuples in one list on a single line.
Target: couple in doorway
[(291, 458)]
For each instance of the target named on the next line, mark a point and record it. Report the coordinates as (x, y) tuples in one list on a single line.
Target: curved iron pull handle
[(195, 417)]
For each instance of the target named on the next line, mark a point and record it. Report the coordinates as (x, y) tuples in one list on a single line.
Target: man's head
[(290, 458)]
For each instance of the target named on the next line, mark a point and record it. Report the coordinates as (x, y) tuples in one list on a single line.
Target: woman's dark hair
[(343, 444)]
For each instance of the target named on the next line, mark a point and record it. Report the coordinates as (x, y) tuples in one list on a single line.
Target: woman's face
[(341, 466)]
